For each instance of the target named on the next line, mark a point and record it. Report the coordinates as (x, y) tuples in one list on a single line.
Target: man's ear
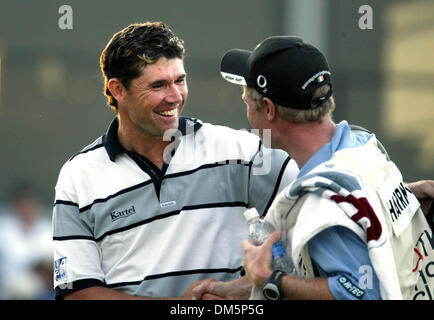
[(117, 89), (270, 108)]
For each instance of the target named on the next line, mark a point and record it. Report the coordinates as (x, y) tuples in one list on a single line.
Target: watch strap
[(272, 289)]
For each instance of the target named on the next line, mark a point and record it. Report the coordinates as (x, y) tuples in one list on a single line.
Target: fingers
[(257, 259), (220, 288), (429, 188), (209, 296), (272, 239), (424, 192), (423, 189), (200, 288), (246, 245), (254, 256), (211, 289)]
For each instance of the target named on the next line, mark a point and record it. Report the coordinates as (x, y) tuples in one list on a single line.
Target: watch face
[(271, 292)]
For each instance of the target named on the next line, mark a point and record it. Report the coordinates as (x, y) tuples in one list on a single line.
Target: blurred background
[(51, 101)]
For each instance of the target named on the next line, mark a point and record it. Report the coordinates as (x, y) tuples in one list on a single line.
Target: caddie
[(353, 228)]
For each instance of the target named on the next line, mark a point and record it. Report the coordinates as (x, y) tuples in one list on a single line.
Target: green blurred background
[(51, 101)]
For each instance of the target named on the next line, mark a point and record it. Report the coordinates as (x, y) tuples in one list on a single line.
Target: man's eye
[(158, 86)]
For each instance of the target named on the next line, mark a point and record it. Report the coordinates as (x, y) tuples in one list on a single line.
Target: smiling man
[(131, 223), (150, 106)]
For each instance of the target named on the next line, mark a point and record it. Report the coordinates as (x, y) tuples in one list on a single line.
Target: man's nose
[(174, 94)]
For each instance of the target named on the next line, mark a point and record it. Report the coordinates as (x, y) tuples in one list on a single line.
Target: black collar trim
[(113, 147)]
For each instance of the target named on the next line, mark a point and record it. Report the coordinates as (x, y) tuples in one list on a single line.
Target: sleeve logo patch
[(351, 287), (60, 269)]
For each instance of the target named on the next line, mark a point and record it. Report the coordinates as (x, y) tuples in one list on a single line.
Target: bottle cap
[(251, 214)]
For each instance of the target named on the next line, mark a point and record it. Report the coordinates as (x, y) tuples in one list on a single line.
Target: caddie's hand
[(424, 192), (238, 289), (201, 289), (257, 259), (188, 295)]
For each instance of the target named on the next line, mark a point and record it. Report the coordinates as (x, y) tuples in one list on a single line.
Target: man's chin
[(170, 129)]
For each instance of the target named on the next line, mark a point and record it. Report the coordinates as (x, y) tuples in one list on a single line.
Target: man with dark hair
[(124, 56), (353, 228), (156, 204)]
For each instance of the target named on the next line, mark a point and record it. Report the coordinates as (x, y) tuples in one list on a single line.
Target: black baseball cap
[(282, 68)]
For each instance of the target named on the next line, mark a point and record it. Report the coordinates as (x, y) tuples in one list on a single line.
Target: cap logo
[(262, 83), (319, 77), (234, 78)]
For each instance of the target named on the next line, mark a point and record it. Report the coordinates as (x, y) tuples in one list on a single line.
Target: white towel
[(357, 205)]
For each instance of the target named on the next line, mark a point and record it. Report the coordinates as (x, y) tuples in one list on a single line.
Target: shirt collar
[(342, 138), (113, 147)]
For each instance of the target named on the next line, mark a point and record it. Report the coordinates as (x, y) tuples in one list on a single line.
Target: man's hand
[(212, 289), (189, 295), (424, 192), (257, 260)]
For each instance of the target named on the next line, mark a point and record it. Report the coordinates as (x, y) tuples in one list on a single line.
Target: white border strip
[(234, 78)]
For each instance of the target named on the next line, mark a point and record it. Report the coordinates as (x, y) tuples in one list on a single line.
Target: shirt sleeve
[(77, 256), (271, 171), (339, 254)]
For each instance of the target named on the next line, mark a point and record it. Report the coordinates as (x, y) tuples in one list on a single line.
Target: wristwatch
[(272, 289)]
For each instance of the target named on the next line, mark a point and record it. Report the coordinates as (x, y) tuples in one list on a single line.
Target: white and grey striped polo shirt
[(121, 222)]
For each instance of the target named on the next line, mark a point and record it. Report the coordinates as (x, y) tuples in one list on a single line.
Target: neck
[(151, 147), (303, 140)]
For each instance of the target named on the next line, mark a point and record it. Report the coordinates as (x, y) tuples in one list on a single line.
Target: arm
[(103, 293), (424, 192), (306, 289), (340, 253), (342, 257), (257, 261), (211, 289), (99, 293)]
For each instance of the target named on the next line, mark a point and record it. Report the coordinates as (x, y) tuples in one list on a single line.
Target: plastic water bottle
[(281, 260), (259, 231)]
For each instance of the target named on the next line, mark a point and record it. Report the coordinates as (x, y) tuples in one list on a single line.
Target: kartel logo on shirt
[(115, 215)]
